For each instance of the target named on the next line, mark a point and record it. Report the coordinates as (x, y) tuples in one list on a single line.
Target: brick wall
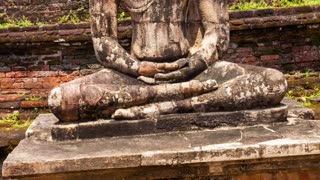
[(46, 10), (35, 59), (40, 10)]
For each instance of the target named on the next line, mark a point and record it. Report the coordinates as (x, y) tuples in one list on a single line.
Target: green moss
[(306, 104), (33, 98), (74, 16), (243, 5), (293, 94), (262, 4), (13, 121)]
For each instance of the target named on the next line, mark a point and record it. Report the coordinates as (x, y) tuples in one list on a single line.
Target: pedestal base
[(163, 124), (226, 152), (270, 148)]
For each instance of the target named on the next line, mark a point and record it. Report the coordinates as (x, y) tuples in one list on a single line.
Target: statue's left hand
[(194, 67)]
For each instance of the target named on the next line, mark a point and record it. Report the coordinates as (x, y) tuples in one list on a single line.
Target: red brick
[(6, 83), (43, 74), (50, 82), (10, 74), (260, 176), (40, 92), (11, 97), (16, 91), (17, 85), (21, 74), (34, 104), (268, 58), (5, 69), (2, 75), (10, 105), (249, 60), (32, 83), (18, 68), (71, 32), (301, 48), (39, 67), (244, 49), (16, 34), (4, 34)]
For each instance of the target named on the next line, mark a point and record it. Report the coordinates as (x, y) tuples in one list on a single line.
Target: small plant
[(243, 5), (306, 104), (12, 117), (262, 4), (23, 22), (307, 73), (290, 95), (74, 16), (13, 120), (40, 23), (71, 17), (121, 16), (33, 98), (36, 110)]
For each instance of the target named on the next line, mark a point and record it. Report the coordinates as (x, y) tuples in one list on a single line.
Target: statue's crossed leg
[(240, 87)]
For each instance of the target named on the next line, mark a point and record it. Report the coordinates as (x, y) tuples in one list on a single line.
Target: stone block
[(10, 105), (12, 97), (34, 104), (262, 151), (167, 123)]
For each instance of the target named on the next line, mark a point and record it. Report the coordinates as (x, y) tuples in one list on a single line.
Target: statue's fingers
[(175, 65), (168, 76), (179, 75), (167, 67), (182, 62), (147, 80)]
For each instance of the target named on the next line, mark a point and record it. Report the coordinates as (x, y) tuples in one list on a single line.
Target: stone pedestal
[(268, 149)]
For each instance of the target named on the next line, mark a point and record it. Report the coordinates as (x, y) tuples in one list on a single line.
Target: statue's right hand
[(149, 69)]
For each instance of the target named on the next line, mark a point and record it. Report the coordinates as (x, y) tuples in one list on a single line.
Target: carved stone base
[(286, 148), (167, 123)]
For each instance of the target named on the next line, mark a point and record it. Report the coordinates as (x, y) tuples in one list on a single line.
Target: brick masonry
[(35, 59), (40, 10)]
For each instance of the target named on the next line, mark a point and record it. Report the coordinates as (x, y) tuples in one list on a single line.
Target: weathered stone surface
[(221, 152), (11, 136), (298, 111), (165, 123), (41, 128)]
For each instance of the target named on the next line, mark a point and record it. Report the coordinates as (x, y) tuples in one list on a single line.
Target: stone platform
[(47, 127), (223, 152), (270, 148)]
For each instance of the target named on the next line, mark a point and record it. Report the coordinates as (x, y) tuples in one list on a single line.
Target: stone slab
[(292, 144), (167, 123), (296, 110), (10, 136)]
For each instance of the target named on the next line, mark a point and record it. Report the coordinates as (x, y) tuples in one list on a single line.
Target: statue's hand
[(147, 70), (194, 67)]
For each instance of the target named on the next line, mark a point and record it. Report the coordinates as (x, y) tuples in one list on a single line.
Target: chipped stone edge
[(202, 154)]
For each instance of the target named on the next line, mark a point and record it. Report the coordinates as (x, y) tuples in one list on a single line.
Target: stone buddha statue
[(174, 65)]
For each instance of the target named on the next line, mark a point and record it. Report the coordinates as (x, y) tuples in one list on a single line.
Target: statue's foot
[(64, 102)]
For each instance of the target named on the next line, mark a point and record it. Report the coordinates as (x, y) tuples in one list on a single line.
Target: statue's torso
[(159, 31)]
